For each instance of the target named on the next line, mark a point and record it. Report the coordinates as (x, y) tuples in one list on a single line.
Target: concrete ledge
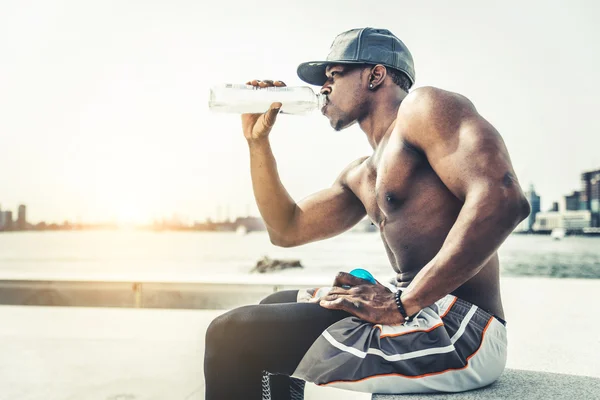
[(520, 384), (137, 294)]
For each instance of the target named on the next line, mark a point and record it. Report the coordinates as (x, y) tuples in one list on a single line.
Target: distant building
[(22, 218), (534, 202), (575, 220), (590, 195), (7, 220), (573, 202)]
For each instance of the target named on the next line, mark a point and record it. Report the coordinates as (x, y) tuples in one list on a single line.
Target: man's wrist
[(257, 142), (400, 306), (410, 303)]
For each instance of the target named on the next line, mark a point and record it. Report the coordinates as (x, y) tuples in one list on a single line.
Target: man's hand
[(372, 303), (258, 126)]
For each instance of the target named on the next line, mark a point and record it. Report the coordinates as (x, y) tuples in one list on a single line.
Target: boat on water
[(591, 231)]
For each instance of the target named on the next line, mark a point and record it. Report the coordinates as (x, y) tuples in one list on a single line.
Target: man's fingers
[(341, 303), (332, 305), (338, 290), (332, 296), (334, 302), (265, 83), (344, 278)]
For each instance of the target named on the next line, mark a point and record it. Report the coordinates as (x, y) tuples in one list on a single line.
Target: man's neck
[(381, 118)]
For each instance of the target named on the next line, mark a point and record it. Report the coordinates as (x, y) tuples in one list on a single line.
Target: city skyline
[(219, 216), (9, 224), (587, 198), (105, 111)]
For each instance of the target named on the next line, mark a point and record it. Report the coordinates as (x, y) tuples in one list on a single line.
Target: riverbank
[(58, 353)]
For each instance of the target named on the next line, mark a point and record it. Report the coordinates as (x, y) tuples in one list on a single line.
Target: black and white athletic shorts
[(451, 346)]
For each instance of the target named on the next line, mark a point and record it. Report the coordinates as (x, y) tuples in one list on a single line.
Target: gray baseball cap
[(361, 46)]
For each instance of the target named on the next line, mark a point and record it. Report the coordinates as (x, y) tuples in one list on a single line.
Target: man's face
[(344, 90)]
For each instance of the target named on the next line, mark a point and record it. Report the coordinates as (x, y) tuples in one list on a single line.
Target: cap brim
[(313, 72)]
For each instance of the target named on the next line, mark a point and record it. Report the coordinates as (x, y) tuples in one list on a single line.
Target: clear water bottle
[(241, 99)]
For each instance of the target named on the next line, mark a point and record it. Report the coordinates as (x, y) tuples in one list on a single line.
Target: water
[(189, 255)]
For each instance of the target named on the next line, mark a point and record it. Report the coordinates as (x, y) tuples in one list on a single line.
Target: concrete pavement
[(58, 353)]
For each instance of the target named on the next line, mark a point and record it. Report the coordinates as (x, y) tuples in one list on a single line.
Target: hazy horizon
[(104, 104)]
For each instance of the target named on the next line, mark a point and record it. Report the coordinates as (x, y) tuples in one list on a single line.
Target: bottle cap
[(363, 274)]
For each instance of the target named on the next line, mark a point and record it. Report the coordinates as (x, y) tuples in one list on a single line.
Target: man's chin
[(332, 123), (339, 125), (336, 124)]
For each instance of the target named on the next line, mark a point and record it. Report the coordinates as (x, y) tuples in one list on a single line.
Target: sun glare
[(130, 215)]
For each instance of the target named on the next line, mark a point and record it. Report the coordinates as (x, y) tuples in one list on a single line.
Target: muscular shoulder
[(433, 102), (428, 112)]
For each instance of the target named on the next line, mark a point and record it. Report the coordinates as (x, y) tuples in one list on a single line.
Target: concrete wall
[(178, 295)]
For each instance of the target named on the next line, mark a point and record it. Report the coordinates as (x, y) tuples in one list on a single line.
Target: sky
[(104, 104)]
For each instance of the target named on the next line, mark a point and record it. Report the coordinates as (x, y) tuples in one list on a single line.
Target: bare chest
[(385, 182), (409, 203)]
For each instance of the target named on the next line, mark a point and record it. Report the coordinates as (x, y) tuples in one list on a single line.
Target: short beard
[(341, 123)]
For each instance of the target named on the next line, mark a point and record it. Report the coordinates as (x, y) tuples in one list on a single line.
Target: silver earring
[(371, 86)]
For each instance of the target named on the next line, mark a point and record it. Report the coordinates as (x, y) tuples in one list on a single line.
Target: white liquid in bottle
[(241, 99)]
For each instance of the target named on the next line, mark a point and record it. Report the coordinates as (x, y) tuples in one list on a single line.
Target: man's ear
[(376, 76)]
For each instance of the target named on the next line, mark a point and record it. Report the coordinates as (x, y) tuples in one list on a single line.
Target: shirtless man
[(441, 188)]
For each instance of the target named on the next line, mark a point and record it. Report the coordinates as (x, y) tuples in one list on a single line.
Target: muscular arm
[(319, 216), (469, 156)]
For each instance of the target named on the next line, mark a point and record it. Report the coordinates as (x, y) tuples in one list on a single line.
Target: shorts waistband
[(462, 307)]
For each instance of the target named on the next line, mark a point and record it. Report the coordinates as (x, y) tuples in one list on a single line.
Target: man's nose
[(326, 90)]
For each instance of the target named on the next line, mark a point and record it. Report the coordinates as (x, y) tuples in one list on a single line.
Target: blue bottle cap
[(363, 274)]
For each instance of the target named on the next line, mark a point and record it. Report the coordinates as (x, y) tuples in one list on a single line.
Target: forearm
[(274, 202), (484, 222)]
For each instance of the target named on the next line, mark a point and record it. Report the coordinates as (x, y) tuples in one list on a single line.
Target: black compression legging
[(252, 350)]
